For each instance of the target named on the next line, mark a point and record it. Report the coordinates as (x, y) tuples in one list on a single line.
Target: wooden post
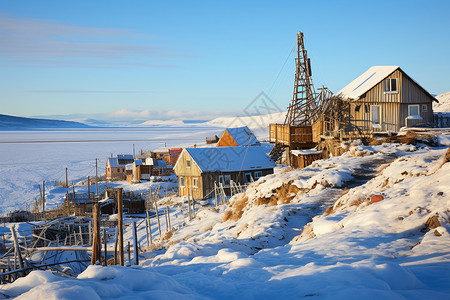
[(149, 228), (43, 198), (193, 204), (135, 244), (90, 232), (115, 245), (167, 222), (146, 229), (189, 204), (67, 181), (95, 245), (96, 178), (81, 235), (159, 224), (17, 249), (129, 253), (120, 226), (168, 216), (89, 188), (215, 193), (105, 246)]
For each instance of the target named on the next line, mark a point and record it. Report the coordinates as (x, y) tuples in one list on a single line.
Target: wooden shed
[(239, 136), (385, 98), (198, 169), (303, 158)]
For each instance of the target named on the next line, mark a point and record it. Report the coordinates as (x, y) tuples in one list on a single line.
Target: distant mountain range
[(19, 123)]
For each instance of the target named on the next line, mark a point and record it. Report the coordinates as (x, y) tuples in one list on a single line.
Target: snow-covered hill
[(444, 103), (314, 233), (20, 123)]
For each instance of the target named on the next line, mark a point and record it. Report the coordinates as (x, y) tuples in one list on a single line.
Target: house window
[(248, 177), (182, 182), (258, 174), (424, 108), (413, 110), (376, 116), (195, 182), (221, 180), (390, 85), (227, 179), (188, 163)]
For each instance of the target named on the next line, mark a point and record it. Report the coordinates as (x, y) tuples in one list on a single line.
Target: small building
[(212, 139), (174, 153), (114, 170), (302, 158), (199, 169), (385, 98), (162, 154), (240, 136), (158, 167)]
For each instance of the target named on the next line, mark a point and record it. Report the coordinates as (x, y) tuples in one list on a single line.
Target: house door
[(248, 177), (376, 116)]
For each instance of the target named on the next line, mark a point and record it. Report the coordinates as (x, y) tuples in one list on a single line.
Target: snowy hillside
[(370, 224), (444, 103), (19, 123)]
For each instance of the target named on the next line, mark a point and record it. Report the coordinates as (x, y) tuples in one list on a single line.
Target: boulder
[(376, 198)]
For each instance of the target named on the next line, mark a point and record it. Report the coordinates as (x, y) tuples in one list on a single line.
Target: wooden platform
[(294, 137)]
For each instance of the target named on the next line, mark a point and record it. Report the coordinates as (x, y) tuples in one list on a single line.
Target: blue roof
[(113, 163), (243, 136), (125, 156), (231, 159)]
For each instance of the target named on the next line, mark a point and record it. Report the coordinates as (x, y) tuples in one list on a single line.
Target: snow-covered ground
[(312, 233)]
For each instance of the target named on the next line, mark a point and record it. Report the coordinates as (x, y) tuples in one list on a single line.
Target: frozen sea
[(29, 157)]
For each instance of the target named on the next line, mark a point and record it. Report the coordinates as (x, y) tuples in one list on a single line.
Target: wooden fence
[(441, 121)]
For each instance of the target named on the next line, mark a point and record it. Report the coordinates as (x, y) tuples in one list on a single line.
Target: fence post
[(120, 226), (135, 245)]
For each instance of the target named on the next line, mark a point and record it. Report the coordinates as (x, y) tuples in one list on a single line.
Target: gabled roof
[(243, 136), (138, 162), (366, 81), (113, 163), (230, 159)]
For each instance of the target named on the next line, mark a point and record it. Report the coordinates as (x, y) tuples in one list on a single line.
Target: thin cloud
[(43, 40), (87, 92)]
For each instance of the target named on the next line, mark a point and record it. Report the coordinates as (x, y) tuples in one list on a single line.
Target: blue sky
[(201, 59)]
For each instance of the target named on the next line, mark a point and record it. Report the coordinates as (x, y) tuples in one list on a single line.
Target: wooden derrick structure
[(306, 108)]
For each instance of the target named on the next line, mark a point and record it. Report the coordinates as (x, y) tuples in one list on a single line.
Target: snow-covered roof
[(230, 159), (113, 163), (305, 152), (243, 136), (365, 82), (156, 163)]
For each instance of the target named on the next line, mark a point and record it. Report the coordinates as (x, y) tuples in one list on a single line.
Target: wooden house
[(199, 169), (115, 166), (240, 136), (158, 167), (162, 154), (385, 98)]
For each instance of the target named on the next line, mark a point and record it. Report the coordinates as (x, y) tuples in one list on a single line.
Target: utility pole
[(89, 188), (67, 181), (96, 178)]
